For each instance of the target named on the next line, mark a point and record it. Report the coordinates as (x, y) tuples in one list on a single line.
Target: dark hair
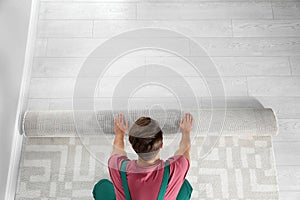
[(146, 138)]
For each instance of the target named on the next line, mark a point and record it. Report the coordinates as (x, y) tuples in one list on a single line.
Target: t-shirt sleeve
[(116, 160), (179, 167), (114, 165)]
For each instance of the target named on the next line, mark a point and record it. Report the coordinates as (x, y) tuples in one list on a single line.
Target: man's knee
[(104, 189)]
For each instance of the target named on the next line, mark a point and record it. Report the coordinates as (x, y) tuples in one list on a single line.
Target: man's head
[(146, 138)]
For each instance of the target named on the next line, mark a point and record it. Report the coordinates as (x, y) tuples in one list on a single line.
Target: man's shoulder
[(178, 158), (116, 160), (179, 163)]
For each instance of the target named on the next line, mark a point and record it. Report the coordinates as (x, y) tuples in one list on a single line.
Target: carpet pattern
[(62, 168)]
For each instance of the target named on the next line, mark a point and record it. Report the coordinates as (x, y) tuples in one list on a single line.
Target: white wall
[(14, 23)]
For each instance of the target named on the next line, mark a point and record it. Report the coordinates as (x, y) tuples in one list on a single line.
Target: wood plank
[(248, 46), (289, 195), (174, 66), (122, 103), (214, 46), (71, 67), (64, 87), (114, 87), (266, 28), (67, 103), (286, 153), (285, 107), (102, 1), (289, 177), (40, 48), (295, 65), (65, 28), (289, 130), (231, 102), (252, 66), (147, 87), (233, 86), (202, 87), (87, 10), (82, 47), (70, 103), (205, 10), (273, 86), (289, 125), (184, 103), (286, 10), (71, 47), (226, 66), (287, 137), (141, 102), (195, 28), (56, 67), (51, 88), (38, 104)]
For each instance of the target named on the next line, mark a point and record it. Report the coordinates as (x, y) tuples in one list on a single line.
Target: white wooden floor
[(254, 44)]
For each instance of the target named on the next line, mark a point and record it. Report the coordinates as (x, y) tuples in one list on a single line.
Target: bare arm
[(186, 125), (120, 127)]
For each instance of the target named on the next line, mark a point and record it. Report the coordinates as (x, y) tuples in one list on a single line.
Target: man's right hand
[(186, 124)]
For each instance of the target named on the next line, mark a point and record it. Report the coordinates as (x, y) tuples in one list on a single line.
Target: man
[(148, 177)]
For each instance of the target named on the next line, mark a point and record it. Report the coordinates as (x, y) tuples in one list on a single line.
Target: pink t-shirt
[(145, 182)]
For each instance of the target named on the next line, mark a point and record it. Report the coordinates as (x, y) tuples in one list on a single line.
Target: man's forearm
[(186, 124), (185, 142), (119, 145), (184, 146), (119, 141)]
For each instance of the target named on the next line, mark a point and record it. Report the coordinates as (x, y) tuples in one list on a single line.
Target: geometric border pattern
[(62, 168)]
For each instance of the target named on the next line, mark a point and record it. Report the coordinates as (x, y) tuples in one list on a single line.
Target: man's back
[(145, 182)]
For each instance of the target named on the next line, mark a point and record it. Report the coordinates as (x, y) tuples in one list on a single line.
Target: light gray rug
[(239, 167), (231, 121)]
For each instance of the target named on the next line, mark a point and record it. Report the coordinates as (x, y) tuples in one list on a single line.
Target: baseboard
[(12, 177), (17, 140)]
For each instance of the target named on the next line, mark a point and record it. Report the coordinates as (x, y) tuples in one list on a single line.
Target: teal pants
[(104, 190)]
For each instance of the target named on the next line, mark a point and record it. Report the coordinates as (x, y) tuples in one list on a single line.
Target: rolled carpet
[(69, 123)]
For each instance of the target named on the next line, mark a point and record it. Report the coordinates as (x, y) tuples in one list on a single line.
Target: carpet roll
[(69, 123)]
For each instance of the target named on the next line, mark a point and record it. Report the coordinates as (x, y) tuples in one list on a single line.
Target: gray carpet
[(239, 167), (231, 121)]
